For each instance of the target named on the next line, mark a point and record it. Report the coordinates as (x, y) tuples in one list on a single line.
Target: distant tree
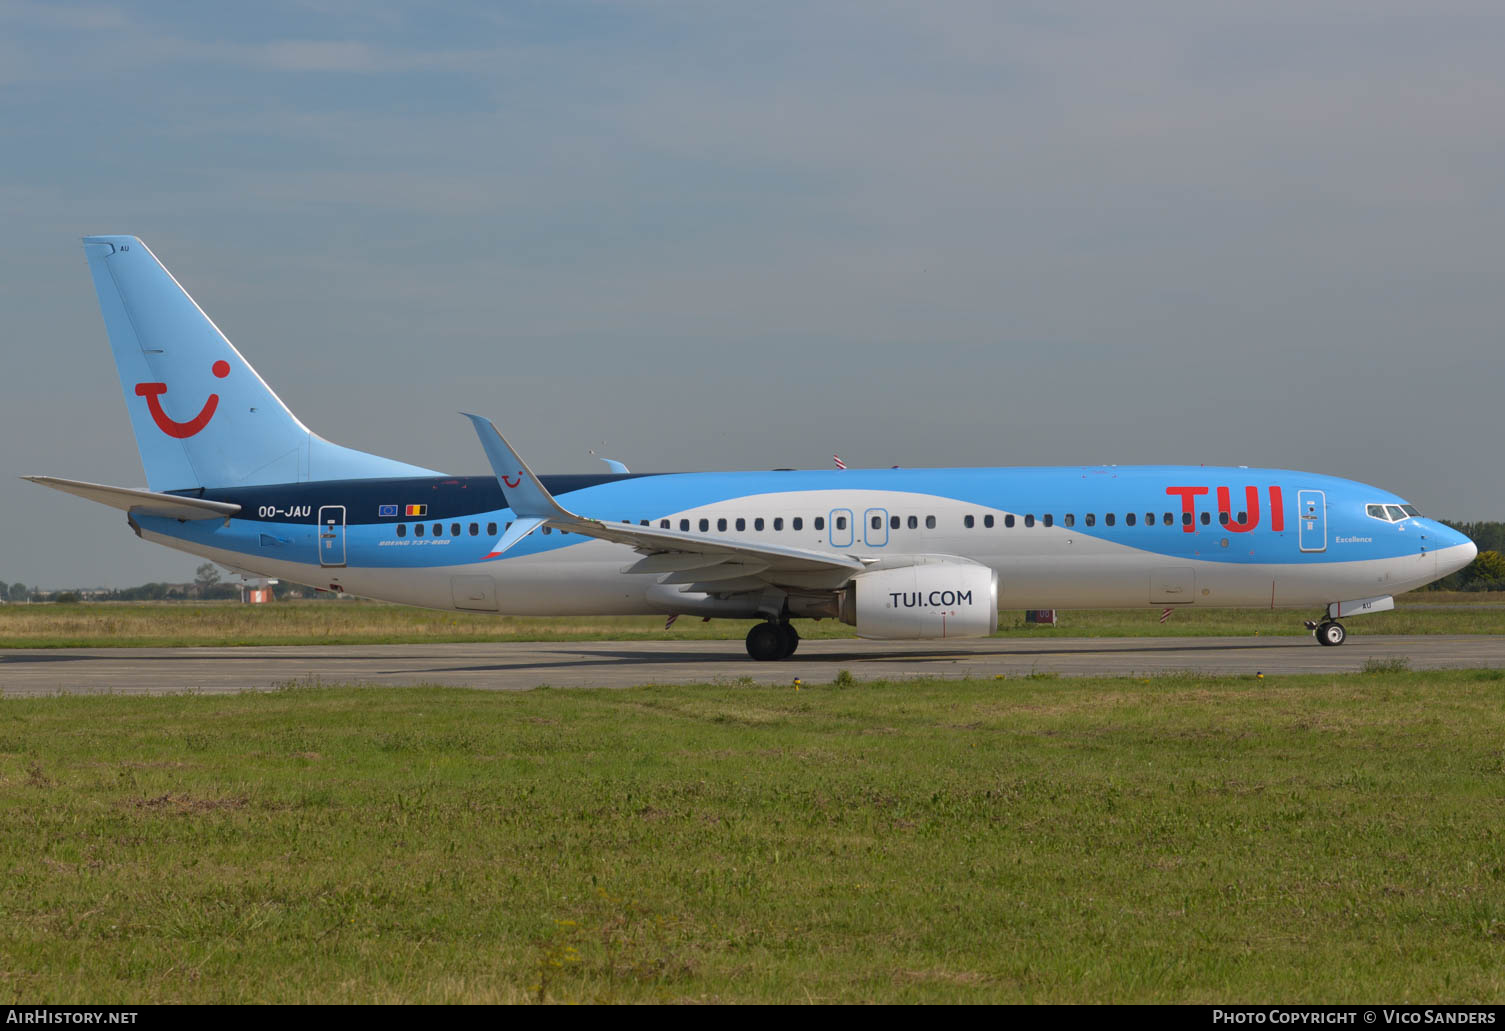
[(1485, 573), (16, 592), (206, 576), (4, 587), (66, 597)]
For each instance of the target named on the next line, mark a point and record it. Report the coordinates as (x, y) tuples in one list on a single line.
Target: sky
[(692, 235)]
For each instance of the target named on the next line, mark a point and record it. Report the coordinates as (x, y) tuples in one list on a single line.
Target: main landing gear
[(1329, 632), (769, 641)]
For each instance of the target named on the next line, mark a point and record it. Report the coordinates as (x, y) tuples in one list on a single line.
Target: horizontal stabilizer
[(141, 502)]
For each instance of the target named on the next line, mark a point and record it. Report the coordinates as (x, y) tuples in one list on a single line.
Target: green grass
[(1334, 839), (169, 625)]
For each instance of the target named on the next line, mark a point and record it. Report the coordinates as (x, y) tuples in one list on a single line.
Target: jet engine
[(935, 599)]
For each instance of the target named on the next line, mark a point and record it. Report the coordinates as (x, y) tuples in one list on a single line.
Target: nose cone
[(1454, 550)]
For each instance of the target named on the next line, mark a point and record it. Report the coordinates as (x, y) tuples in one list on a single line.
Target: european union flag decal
[(386, 510)]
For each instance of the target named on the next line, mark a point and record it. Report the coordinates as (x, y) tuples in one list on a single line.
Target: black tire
[(765, 642), (1332, 633), (791, 638)]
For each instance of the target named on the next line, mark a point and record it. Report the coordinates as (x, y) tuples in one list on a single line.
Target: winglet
[(519, 529), (526, 496), (614, 465)]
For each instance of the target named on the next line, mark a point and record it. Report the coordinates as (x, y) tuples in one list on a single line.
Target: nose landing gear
[(1328, 632), (770, 641)]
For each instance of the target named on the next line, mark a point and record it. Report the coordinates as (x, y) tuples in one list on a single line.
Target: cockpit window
[(1391, 513)]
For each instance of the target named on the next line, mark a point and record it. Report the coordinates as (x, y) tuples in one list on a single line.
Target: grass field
[(1037, 839), (163, 625)]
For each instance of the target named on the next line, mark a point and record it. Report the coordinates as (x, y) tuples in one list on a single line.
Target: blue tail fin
[(201, 414)]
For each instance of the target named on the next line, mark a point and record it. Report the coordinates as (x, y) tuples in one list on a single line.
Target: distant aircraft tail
[(201, 415)]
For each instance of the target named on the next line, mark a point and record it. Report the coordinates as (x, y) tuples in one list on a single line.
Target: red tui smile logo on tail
[(182, 430)]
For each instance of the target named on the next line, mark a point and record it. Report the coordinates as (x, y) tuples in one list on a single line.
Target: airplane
[(901, 554)]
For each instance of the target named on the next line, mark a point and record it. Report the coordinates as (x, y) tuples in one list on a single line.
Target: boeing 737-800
[(233, 476)]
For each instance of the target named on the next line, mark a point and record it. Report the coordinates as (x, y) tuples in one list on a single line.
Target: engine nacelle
[(936, 599)]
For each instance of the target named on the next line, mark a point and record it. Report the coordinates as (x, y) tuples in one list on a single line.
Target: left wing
[(709, 564)]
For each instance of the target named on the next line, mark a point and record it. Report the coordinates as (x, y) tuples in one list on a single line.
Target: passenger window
[(454, 529), (1243, 517), (1149, 519), (1206, 518), (721, 524), (1223, 518), (877, 522), (741, 525), (778, 522), (820, 522), (1070, 520), (841, 522), (705, 524), (491, 529), (893, 522), (758, 523), (402, 529), (1108, 519), (1185, 518), (930, 522), (797, 523), (438, 529), (1008, 521), (1129, 519), (1029, 520), (987, 521), (1091, 519), (1167, 519), (914, 523), (1048, 519), (417, 529), (475, 530), (967, 521)]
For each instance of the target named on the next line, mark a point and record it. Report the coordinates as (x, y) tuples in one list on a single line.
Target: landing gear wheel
[(791, 638), (765, 642), (1331, 633)]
